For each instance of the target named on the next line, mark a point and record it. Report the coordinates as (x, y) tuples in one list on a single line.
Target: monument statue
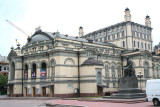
[(128, 85), (129, 71)]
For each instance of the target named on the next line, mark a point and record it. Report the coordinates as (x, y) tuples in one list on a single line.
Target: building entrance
[(100, 91), (11, 90), (33, 91), (43, 92), (25, 91), (52, 91)]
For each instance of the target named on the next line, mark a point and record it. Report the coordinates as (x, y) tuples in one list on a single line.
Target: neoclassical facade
[(56, 65)]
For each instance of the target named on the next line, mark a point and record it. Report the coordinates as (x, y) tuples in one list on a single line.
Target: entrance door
[(43, 91), (11, 90), (100, 91), (33, 91), (25, 90), (52, 91)]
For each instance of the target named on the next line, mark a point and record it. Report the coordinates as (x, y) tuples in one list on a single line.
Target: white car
[(153, 91)]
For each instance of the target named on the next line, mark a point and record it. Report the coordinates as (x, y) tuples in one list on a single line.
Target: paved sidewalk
[(69, 102), (28, 98), (99, 104)]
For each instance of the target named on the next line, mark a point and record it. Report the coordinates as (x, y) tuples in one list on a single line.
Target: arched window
[(145, 46), (108, 37), (12, 74), (153, 72), (99, 78), (53, 62), (119, 72), (142, 45), (107, 72), (123, 44), (26, 71), (146, 70), (134, 43), (157, 72), (70, 61), (148, 46), (33, 72), (113, 71), (43, 70)]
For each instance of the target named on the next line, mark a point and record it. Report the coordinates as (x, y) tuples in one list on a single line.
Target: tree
[(3, 83), (3, 79)]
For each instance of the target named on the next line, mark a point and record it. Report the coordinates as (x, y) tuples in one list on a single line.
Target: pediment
[(11, 55)]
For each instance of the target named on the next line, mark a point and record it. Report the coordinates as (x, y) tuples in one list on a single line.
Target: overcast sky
[(67, 16)]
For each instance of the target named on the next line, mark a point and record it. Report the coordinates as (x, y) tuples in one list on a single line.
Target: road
[(41, 103)]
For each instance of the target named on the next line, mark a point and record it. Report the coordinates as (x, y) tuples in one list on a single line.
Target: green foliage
[(3, 79)]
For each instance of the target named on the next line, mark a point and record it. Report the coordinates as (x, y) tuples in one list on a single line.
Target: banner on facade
[(43, 74), (33, 74), (25, 74)]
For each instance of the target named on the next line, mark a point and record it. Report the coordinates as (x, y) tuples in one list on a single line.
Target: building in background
[(157, 49), (4, 65), (126, 34), (3, 58), (53, 64)]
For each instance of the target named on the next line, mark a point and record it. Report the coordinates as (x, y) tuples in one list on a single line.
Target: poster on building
[(25, 74), (33, 74), (43, 74)]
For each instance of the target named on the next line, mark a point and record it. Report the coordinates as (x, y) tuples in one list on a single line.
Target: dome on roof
[(39, 36), (127, 9), (92, 61), (147, 16), (80, 27)]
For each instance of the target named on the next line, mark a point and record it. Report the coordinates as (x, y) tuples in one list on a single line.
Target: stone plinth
[(128, 82), (128, 89)]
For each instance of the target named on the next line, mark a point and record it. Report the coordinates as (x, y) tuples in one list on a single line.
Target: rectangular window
[(149, 46), (4, 68), (133, 34), (142, 45), (0, 68), (123, 44), (105, 39), (123, 34), (148, 37), (144, 36), (137, 35), (113, 37), (108, 37), (138, 44), (107, 85), (145, 46), (141, 36), (114, 85), (134, 43), (118, 36), (101, 39)]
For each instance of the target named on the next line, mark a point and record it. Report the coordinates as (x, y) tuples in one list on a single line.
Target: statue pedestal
[(128, 82), (128, 89)]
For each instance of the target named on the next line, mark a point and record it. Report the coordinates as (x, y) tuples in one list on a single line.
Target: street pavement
[(41, 102)]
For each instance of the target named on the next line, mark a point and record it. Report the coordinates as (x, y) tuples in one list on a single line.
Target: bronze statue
[(129, 70)]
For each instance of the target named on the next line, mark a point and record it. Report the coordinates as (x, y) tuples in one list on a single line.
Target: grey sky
[(67, 15)]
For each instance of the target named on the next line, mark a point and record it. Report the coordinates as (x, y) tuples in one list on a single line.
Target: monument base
[(128, 89)]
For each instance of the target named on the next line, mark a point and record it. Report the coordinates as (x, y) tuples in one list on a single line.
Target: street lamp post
[(140, 75)]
